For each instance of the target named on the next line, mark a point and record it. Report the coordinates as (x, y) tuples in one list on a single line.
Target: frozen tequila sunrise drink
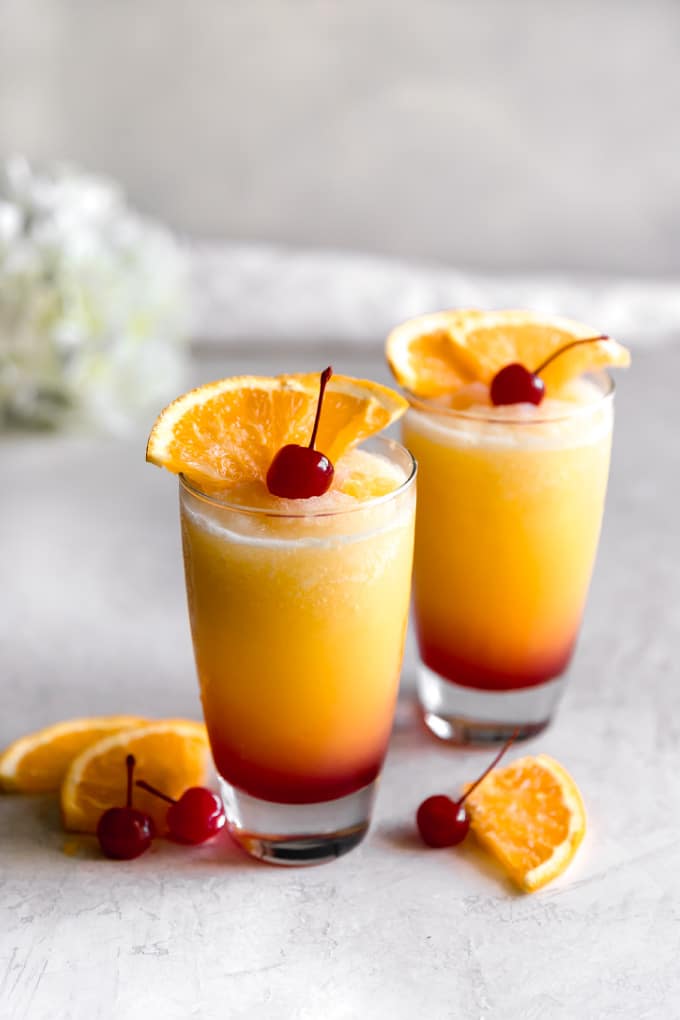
[(298, 602), (513, 467)]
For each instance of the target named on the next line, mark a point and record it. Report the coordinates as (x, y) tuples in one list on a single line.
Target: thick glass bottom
[(470, 716), (297, 834)]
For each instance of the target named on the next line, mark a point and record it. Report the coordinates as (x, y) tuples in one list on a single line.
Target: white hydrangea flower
[(93, 302)]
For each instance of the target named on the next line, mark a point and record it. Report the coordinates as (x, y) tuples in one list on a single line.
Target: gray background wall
[(492, 133)]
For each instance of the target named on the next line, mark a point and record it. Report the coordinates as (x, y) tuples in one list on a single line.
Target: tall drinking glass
[(510, 503), (298, 622)]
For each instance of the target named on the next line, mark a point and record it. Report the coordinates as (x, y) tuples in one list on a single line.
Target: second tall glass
[(509, 514)]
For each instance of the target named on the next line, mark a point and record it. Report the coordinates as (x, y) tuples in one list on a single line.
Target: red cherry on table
[(195, 817), (300, 472), (123, 832), (442, 821)]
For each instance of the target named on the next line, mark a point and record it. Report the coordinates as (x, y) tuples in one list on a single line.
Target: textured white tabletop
[(92, 619)]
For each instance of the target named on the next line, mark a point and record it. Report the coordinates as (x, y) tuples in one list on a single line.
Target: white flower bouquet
[(93, 303)]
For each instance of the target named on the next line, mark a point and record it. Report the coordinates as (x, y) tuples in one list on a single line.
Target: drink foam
[(249, 513), (581, 416)]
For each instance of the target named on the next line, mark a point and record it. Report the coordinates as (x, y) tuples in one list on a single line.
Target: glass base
[(296, 834), (468, 716)]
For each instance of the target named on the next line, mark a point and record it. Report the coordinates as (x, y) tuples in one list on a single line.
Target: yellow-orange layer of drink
[(510, 504), (298, 612)]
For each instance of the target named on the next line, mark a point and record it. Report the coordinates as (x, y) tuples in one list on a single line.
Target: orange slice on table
[(37, 762), (227, 432), (171, 754), (530, 815), (471, 345)]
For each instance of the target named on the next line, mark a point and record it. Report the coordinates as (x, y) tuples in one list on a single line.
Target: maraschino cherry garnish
[(299, 472), (516, 384), (442, 821), (195, 817), (123, 832)]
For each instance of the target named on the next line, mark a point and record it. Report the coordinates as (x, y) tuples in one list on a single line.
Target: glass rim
[(426, 405), (283, 514)]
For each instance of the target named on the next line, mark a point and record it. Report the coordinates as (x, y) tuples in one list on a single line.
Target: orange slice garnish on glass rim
[(171, 754), (424, 359), (228, 432), (437, 354), (531, 817), (37, 762)]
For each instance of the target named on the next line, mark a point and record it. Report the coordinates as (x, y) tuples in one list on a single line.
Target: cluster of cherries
[(516, 384), (124, 832), (442, 821)]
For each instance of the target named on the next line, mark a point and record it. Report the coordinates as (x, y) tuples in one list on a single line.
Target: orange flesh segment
[(423, 359), (531, 817)]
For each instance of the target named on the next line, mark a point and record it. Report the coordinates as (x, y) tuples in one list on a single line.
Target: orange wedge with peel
[(171, 754), (38, 762), (423, 358), (531, 817), (496, 339), (227, 432), (473, 346)]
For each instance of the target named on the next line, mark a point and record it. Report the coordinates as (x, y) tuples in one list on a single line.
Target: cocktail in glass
[(298, 612), (510, 503)]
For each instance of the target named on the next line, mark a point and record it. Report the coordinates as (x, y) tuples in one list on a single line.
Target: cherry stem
[(325, 376), (567, 347), (142, 783), (130, 766), (493, 764)]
